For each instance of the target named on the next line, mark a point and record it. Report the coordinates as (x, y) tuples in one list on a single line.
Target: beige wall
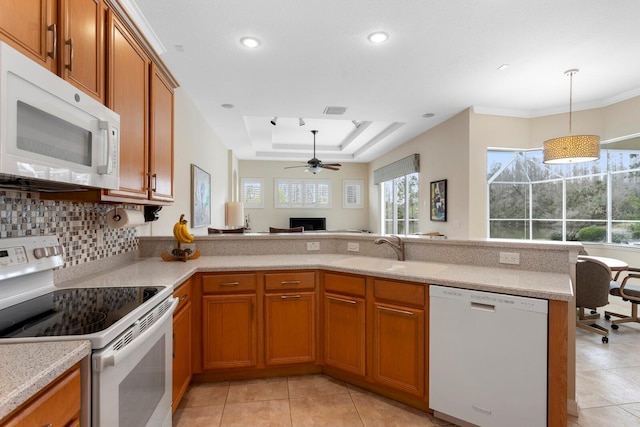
[(444, 154), (338, 218), (195, 142)]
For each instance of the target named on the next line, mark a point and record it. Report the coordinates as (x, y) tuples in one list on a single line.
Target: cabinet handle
[(174, 345), (408, 313), (289, 296), (70, 44), (54, 29), (183, 297), (348, 301), (154, 179), (290, 282), (230, 284)]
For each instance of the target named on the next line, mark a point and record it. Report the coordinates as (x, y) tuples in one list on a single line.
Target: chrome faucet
[(398, 247)]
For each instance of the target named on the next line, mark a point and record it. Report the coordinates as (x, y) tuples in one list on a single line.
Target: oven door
[(131, 378)]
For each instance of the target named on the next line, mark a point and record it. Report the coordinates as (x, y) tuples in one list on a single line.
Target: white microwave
[(51, 134)]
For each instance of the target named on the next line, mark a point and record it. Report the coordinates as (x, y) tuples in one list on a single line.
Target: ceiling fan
[(315, 165)]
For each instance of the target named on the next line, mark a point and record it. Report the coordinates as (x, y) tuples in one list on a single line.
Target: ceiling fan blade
[(332, 164), (291, 167), (329, 167)]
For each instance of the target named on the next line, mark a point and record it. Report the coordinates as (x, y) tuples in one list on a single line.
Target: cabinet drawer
[(343, 284), (58, 404), (228, 283), (399, 292), (288, 281), (183, 293)]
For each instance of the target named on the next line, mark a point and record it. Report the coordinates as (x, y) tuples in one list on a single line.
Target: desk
[(612, 263)]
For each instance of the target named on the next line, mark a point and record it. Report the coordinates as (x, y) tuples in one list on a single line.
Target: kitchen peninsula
[(265, 261)]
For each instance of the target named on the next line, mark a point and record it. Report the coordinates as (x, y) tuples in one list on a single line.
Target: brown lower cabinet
[(229, 326), (58, 404), (368, 331), (182, 318)]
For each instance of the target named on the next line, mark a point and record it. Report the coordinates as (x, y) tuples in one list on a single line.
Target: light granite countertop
[(27, 368), (156, 272)]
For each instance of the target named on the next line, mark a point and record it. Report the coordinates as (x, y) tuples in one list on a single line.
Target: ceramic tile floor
[(608, 375), (607, 383)]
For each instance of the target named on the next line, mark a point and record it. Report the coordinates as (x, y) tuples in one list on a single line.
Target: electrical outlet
[(509, 258), (353, 247), (313, 246)]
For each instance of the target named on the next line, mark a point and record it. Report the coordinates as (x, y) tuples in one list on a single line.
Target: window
[(352, 194), (293, 193), (400, 205), (593, 201), (252, 192)]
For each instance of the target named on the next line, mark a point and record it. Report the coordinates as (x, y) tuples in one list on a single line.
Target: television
[(309, 224)]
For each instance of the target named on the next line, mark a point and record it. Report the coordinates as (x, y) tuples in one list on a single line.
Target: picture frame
[(438, 200), (200, 197)]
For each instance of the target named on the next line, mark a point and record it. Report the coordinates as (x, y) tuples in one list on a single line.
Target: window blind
[(402, 167)]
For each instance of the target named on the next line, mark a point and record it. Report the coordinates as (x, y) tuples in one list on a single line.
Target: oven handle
[(113, 357)]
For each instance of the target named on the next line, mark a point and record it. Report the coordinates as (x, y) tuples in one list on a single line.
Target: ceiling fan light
[(314, 169), (572, 149)]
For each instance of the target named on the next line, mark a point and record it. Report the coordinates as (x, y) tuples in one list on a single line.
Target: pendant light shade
[(572, 148)]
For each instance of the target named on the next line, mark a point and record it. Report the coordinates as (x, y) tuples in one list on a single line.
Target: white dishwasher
[(487, 357)]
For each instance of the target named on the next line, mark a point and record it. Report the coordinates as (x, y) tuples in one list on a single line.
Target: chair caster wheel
[(606, 316), (605, 340), (615, 327)]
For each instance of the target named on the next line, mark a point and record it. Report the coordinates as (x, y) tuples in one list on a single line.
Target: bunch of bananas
[(180, 231)]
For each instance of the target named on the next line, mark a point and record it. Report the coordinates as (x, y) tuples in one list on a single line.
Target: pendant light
[(572, 148)]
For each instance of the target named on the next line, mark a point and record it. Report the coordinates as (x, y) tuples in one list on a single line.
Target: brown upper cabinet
[(65, 36), (96, 47)]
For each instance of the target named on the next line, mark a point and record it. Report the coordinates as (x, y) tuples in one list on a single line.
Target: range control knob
[(39, 252)]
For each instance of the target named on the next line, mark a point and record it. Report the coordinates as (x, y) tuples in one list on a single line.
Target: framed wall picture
[(438, 200), (200, 197)]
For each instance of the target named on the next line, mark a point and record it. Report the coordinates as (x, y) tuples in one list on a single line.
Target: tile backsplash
[(80, 227)]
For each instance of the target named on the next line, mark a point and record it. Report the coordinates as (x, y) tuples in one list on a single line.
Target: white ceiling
[(442, 56)]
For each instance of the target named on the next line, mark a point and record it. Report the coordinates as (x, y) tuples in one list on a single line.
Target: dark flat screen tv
[(309, 224)]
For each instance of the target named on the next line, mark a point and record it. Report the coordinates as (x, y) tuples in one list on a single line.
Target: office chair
[(628, 292), (592, 291)]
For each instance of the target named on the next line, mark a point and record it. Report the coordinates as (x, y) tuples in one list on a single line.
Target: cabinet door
[(398, 345), (290, 328), (344, 333), (57, 405), (161, 138), (129, 96), (229, 331), (181, 354), (82, 45), (30, 26)]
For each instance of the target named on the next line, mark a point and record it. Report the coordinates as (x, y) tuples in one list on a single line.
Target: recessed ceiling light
[(503, 67), (378, 37), (227, 105), (250, 42), (428, 115)]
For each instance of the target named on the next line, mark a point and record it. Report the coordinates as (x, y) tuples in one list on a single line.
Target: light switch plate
[(313, 246), (353, 247)]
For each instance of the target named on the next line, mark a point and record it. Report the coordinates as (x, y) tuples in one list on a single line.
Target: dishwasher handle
[(482, 307)]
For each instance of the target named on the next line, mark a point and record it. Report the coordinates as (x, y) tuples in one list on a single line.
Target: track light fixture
[(301, 122), (356, 123), (274, 120)]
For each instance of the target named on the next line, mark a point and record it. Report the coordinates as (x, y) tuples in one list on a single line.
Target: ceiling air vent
[(336, 111)]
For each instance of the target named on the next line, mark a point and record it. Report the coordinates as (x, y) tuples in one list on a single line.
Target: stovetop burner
[(72, 311)]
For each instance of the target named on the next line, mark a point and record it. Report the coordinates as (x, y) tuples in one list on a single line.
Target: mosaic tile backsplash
[(80, 227)]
